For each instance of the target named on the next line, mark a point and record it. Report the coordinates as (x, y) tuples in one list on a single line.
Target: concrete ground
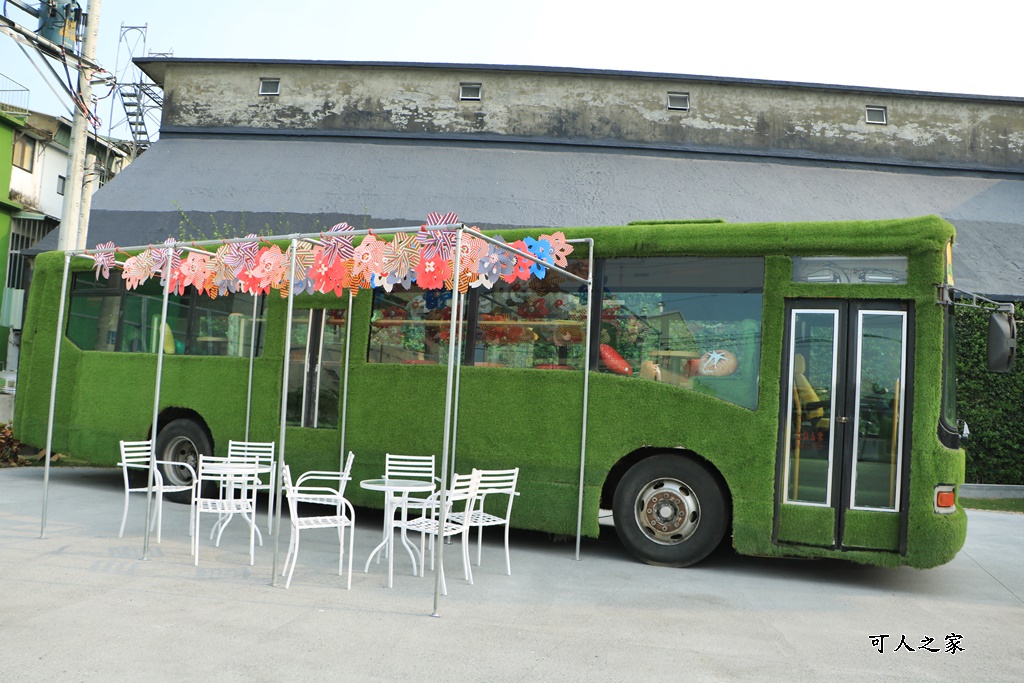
[(80, 605)]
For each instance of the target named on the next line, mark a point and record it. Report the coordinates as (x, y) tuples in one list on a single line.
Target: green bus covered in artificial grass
[(786, 385)]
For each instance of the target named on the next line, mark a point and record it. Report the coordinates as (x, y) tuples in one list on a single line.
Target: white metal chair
[(235, 483), (135, 456), (464, 488), (413, 467), (263, 453), (418, 467), (345, 518), (492, 482), (330, 488)]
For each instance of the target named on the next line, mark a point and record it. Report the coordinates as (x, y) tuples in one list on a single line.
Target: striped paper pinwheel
[(105, 260)]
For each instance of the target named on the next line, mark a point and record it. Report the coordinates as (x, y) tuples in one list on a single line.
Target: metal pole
[(252, 356), (284, 411), (53, 392), (156, 400), (586, 390), (458, 378), (344, 386), (69, 223), (452, 359)]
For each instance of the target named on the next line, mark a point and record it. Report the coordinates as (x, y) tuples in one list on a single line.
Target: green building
[(9, 123)]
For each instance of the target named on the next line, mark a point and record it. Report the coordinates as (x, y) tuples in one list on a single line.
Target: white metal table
[(229, 473), (394, 489)]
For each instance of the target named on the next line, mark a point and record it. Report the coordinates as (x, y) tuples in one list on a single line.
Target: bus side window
[(694, 323), (197, 325), (534, 324), (410, 326)]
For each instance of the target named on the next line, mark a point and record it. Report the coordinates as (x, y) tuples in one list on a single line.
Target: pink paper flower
[(194, 271), (138, 269), (368, 258), (560, 249), (270, 267)]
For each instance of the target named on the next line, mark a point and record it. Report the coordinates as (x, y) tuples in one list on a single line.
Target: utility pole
[(73, 231)]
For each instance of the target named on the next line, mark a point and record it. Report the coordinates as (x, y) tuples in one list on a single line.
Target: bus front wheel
[(669, 511), (181, 440)]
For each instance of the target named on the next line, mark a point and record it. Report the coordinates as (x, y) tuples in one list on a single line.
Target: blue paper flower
[(541, 249)]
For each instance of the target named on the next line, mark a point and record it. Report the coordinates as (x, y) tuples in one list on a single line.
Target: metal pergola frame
[(451, 384)]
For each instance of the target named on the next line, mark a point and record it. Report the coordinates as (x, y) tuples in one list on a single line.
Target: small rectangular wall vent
[(875, 115), (470, 92), (270, 86), (679, 101)]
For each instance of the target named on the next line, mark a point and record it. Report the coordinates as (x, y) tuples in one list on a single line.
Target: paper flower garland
[(425, 257)]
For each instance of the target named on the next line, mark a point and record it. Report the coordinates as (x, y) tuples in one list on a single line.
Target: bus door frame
[(844, 419)]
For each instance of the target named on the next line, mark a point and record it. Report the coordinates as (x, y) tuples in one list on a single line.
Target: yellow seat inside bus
[(810, 406)]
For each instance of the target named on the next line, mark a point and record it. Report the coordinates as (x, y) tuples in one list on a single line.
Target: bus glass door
[(314, 377), (843, 447)]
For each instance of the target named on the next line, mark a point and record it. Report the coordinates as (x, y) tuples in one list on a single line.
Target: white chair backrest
[(498, 481), (464, 488), (289, 492), (337, 480), (409, 467), (223, 470), (260, 451), (346, 473), (135, 453)]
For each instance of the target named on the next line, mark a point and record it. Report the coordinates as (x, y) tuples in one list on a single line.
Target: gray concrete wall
[(577, 105), (991, 491)]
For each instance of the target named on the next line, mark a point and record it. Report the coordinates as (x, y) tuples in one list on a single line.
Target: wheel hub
[(663, 511), (667, 511)]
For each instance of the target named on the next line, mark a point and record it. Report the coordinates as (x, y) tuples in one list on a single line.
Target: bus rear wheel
[(669, 511), (181, 441)]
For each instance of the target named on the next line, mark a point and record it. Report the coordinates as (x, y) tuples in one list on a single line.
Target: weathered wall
[(725, 115)]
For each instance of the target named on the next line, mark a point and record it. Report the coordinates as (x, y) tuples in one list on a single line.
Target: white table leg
[(404, 536)]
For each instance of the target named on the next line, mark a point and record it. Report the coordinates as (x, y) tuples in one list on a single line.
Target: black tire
[(689, 520), (181, 440)]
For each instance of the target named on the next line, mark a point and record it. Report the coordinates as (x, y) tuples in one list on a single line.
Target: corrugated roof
[(282, 184)]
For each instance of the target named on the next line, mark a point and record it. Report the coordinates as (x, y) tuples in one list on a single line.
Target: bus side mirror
[(965, 431), (1002, 341)]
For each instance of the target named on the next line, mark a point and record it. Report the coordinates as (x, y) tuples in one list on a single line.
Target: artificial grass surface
[(533, 419)]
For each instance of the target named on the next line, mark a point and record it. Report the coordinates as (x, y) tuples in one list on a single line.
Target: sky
[(900, 44)]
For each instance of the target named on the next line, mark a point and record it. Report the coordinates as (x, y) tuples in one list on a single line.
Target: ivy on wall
[(991, 403)]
